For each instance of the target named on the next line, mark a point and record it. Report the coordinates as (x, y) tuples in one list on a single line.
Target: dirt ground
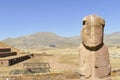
[(61, 61), (57, 66)]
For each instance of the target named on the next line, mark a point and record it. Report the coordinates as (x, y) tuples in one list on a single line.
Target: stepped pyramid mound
[(3, 45), (10, 55)]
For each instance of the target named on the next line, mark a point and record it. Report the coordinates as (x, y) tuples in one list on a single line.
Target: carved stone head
[(92, 31)]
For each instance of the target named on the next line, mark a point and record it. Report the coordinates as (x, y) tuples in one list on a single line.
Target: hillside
[(48, 39), (3, 45), (113, 39), (42, 39)]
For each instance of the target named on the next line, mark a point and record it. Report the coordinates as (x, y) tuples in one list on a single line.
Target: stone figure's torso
[(94, 64)]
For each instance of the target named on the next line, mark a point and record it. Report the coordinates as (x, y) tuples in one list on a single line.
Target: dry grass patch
[(71, 59), (116, 78)]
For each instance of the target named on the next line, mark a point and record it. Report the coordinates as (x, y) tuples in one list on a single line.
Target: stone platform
[(7, 61), (5, 49), (9, 56)]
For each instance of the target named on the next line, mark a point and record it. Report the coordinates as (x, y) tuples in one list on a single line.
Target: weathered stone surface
[(102, 72), (85, 62), (102, 57), (92, 31), (8, 57), (94, 57)]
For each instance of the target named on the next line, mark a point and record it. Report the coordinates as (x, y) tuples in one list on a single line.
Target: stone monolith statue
[(93, 53)]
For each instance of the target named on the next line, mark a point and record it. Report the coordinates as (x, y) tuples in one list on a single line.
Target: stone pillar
[(93, 53)]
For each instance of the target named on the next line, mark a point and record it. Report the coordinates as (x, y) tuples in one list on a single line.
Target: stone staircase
[(10, 56), (4, 52)]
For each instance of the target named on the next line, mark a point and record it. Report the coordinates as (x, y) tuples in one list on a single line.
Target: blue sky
[(63, 17)]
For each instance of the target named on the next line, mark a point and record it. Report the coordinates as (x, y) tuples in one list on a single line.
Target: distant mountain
[(48, 39), (113, 39), (42, 39)]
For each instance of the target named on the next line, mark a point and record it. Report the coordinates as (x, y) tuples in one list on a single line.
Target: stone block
[(5, 49), (5, 54), (102, 72)]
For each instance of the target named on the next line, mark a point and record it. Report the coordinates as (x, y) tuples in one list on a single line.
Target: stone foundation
[(7, 57), (14, 59)]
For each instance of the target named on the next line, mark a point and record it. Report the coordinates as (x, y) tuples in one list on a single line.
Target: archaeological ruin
[(93, 53), (10, 56)]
